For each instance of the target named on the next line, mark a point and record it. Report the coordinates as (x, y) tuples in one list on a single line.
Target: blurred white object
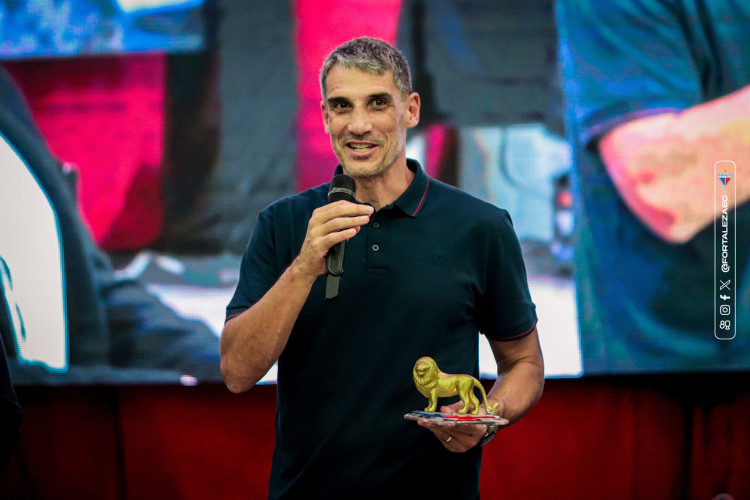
[(130, 6), (31, 265)]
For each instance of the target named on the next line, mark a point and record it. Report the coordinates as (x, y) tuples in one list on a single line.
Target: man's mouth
[(360, 147)]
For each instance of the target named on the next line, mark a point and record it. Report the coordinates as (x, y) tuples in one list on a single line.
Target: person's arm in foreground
[(519, 384), (663, 165), (253, 341)]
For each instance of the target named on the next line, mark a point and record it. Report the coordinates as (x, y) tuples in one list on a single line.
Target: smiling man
[(427, 267), (367, 116)]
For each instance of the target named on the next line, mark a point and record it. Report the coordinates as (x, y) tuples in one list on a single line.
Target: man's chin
[(361, 170)]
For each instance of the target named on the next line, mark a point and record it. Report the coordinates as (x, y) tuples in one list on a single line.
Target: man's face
[(367, 120)]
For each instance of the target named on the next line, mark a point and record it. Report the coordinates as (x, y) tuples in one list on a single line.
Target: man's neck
[(386, 188)]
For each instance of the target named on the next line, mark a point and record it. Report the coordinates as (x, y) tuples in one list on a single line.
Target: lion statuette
[(434, 384)]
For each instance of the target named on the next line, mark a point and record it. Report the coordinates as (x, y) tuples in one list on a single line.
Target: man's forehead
[(351, 82)]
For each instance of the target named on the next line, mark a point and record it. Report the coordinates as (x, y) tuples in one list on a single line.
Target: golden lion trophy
[(433, 384)]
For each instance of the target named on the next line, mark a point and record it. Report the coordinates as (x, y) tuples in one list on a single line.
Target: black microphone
[(343, 187)]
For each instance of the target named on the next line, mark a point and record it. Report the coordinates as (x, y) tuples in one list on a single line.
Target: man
[(658, 92), (426, 267)]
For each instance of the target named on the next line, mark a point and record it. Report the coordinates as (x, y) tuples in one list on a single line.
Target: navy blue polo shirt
[(421, 279)]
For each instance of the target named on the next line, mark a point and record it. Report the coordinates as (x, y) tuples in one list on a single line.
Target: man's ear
[(413, 103), (326, 117)]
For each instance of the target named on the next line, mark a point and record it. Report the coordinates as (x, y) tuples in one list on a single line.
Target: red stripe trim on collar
[(427, 184)]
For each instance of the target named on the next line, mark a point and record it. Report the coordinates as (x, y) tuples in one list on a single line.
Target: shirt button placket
[(375, 243)]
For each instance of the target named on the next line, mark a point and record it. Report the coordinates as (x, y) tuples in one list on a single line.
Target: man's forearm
[(253, 341), (518, 390), (663, 165), (520, 379)]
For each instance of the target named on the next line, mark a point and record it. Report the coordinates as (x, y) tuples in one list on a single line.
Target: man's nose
[(360, 122)]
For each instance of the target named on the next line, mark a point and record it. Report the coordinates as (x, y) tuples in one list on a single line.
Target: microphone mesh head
[(343, 187)]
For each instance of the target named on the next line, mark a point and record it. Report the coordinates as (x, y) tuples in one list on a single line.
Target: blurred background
[(142, 139)]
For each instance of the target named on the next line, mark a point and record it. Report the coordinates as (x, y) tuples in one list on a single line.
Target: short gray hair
[(371, 55)]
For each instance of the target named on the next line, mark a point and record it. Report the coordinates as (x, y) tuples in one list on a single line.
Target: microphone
[(343, 187)]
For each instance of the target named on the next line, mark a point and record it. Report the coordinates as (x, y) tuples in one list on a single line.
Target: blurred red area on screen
[(322, 25), (106, 116)]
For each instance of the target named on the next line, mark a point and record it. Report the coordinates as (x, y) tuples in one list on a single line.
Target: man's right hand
[(329, 225)]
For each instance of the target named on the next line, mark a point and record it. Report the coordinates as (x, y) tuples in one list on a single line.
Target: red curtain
[(618, 438)]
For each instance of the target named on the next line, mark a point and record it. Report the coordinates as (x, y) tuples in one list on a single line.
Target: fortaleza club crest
[(725, 177)]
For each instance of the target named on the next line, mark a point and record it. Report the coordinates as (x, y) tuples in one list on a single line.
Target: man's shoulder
[(303, 202), (455, 200)]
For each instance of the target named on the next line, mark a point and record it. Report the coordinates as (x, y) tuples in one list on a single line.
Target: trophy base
[(455, 418)]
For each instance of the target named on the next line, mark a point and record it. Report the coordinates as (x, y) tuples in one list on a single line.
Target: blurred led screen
[(50, 28), (136, 216)]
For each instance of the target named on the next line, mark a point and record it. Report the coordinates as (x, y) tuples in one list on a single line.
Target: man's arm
[(519, 385), (253, 341), (663, 165), (520, 376)]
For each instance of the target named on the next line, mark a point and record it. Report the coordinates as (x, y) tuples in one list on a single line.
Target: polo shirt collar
[(413, 199)]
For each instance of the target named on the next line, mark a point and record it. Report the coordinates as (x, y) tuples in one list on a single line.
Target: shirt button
[(375, 248), (376, 225)]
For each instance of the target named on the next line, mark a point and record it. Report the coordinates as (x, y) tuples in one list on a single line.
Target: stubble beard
[(382, 167)]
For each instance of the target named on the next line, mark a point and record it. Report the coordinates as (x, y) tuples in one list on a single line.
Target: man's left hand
[(457, 438)]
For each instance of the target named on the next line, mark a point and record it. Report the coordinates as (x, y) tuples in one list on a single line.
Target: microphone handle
[(343, 187), (335, 259)]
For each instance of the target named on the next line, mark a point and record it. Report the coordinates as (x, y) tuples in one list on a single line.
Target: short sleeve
[(258, 270), (506, 311), (622, 60)]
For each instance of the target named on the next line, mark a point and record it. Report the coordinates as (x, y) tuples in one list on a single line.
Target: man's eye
[(380, 102), (340, 106)]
